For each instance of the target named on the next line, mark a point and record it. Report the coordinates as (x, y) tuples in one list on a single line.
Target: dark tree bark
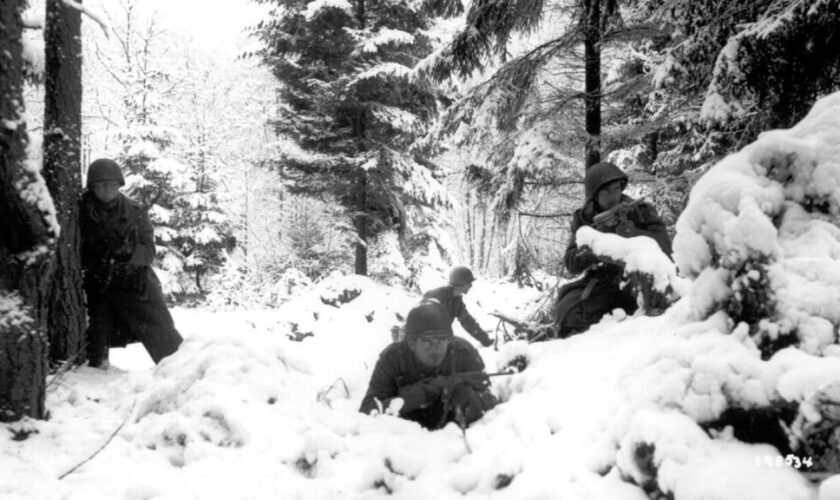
[(360, 220), (25, 241), (359, 132), (592, 65), (66, 319)]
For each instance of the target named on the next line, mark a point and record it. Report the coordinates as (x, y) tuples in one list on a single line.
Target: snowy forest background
[(472, 136), (290, 145)]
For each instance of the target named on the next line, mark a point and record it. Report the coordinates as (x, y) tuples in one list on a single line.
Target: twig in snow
[(84, 10), (61, 373), (101, 447), (322, 395)]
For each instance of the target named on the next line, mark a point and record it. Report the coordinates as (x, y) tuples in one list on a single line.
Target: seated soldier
[(583, 302), (431, 377), (451, 298)]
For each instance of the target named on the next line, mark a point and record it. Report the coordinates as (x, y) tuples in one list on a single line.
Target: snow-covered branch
[(93, 15)]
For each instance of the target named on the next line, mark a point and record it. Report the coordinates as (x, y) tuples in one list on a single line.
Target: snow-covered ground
[(243, 412)]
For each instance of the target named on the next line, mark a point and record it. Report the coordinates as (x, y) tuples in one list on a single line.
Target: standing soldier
[(583, 302), (124, 298), (423, 370), (451, 298)]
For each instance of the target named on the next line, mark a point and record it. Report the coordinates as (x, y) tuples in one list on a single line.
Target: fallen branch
[(61, 373), (322, 395), (103, 445)]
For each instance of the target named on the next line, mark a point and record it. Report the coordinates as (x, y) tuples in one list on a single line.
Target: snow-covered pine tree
[(718, 73), (528, 128), (28, 228), (168, 138), (350, 109)]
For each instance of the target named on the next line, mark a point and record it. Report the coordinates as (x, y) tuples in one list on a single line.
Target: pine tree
[(351, 108), (168, 146), (28, 228)]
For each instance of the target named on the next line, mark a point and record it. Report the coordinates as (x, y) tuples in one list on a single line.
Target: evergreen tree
[(28, 229), (351, 108), (168, 140), (747, 67), (540, 105)]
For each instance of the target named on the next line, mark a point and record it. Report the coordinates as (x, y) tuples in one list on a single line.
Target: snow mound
[(760, 234)]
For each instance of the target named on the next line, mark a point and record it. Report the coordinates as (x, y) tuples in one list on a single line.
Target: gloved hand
[(420, 394), (121, 247), (626, 228), (124, 251), (585, 258), (470, 403)]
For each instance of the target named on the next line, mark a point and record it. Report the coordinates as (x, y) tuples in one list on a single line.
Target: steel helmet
[(599, 175), (460, 276), (428, 319), (104, 169)]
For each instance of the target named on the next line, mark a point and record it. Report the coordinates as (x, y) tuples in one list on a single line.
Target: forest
[(313, 167)]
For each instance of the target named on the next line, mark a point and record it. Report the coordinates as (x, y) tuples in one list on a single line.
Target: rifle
[(612, 218), (477, 380), (120, 240)]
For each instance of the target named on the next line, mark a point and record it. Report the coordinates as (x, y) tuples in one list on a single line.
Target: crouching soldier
[(124, 299), (431, 377), (451, 298), (583, 302)]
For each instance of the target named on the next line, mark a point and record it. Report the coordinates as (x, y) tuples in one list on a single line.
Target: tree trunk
[(62, 171), (468, 230), (592, 62), (360, 220), (25, 238), (482, 239)]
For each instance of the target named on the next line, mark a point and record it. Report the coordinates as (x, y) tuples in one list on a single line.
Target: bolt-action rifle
[(477, 380), (612, 218)]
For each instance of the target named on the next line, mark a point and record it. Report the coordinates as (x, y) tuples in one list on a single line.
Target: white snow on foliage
[(242, 411), (386, 36), (640, 253), (384, 70), (315, 7), (33, 188), (778, 201)]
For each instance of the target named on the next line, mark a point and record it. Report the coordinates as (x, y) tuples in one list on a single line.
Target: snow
[(386, 36), (263, 403), (388, 69), (315, 7), (830, 488), (639, 253), (13, 313), (33, 188)]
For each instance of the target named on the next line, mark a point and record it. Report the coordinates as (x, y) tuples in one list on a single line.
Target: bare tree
[(62, 170)]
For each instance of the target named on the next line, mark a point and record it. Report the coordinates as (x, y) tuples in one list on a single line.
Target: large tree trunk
[(25, 239), (62, 171), (592, 62)]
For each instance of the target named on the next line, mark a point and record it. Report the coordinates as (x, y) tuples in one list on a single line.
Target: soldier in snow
[(431, 377), (583, 302), (451, 298), (124, 298)]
